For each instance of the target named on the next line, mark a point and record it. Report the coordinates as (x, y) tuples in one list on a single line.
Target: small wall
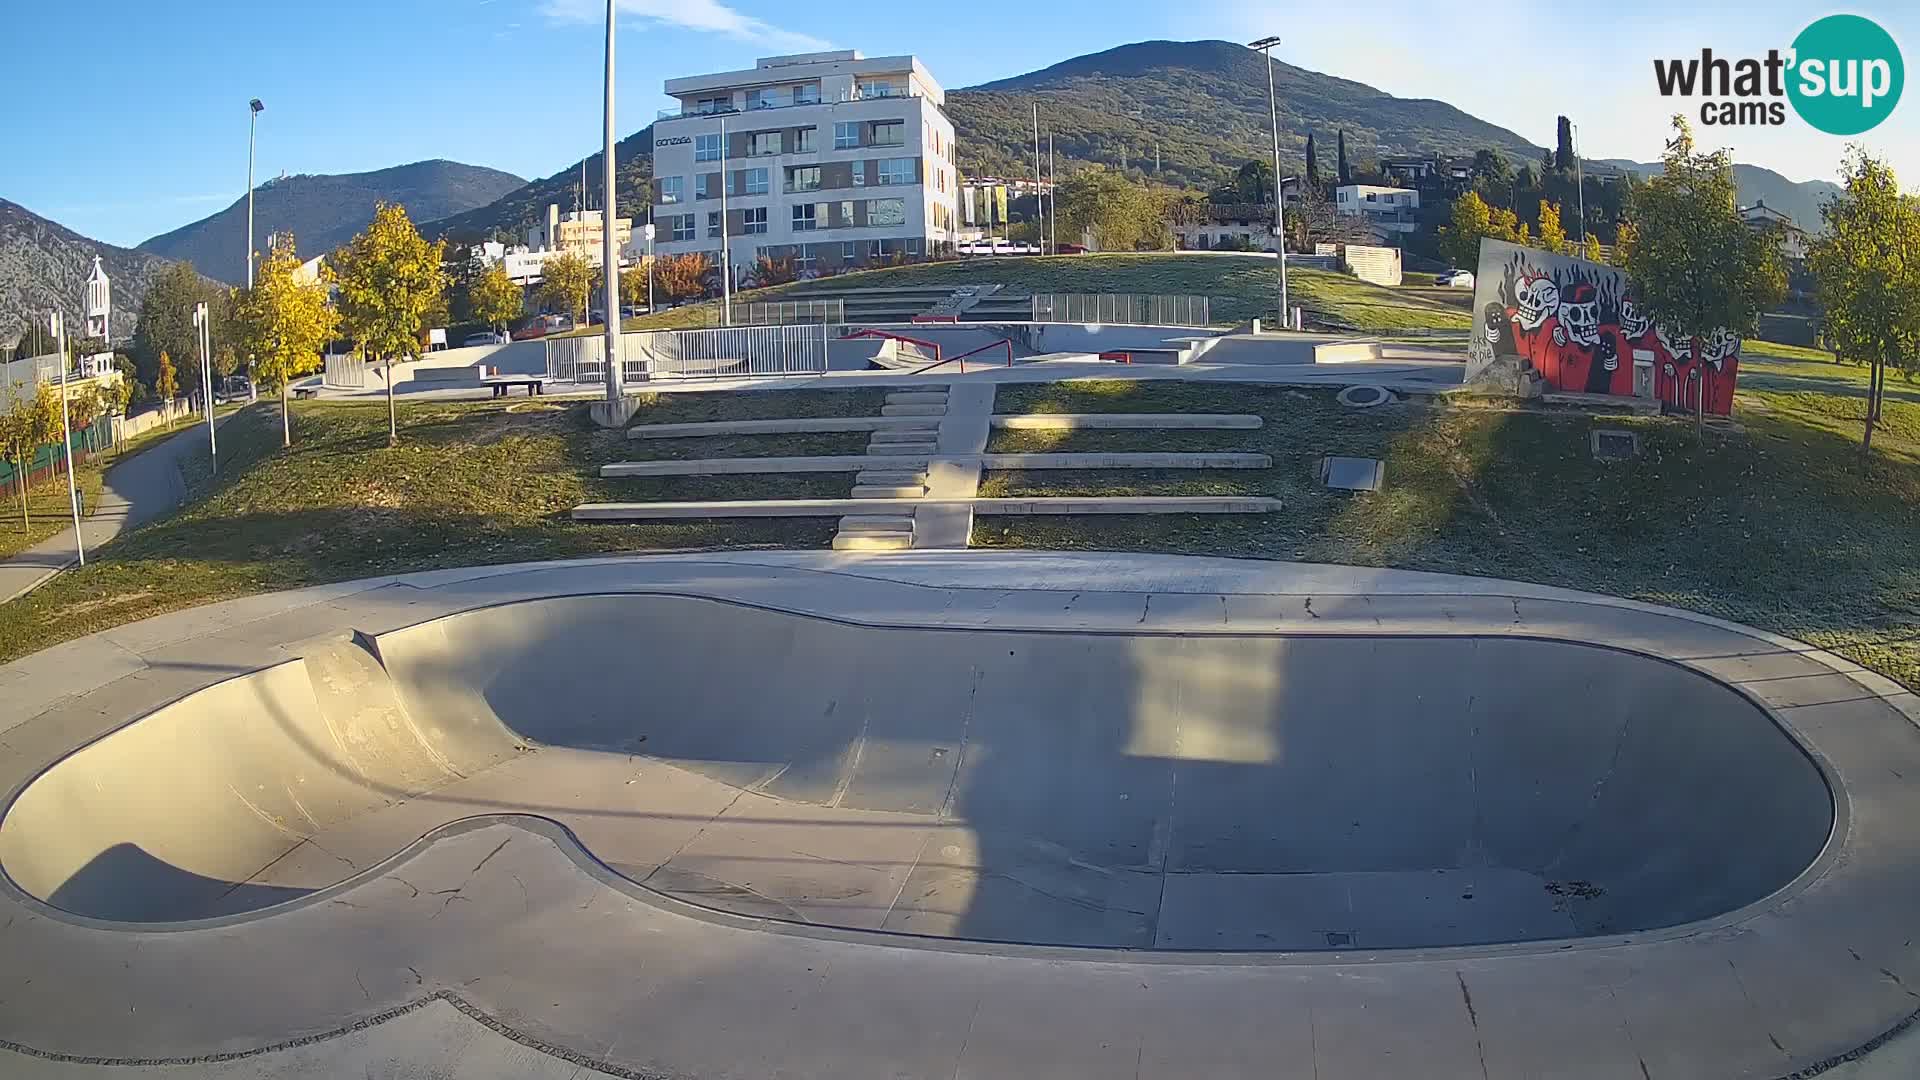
[(1379, 265)]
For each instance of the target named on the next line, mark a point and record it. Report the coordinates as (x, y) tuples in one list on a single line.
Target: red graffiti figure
[(1536, 325)]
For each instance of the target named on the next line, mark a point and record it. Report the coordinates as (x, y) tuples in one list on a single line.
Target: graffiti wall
[(1575, 323)]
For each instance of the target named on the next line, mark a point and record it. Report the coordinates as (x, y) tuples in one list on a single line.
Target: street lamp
[(609, 244), (1579, 178), (253, 110), (1265, 47), (59, 328), (204, 331)]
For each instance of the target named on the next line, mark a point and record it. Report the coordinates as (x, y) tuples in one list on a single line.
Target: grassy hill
[(1204, 104), (324, 212)]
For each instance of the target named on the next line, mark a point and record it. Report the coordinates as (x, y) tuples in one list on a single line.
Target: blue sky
[(155, 135)]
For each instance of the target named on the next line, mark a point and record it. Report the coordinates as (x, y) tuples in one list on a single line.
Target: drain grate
[(1339, 939), (1352, 473), (1364, 396), (1612, 444)]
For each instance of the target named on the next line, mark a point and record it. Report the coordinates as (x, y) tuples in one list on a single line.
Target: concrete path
[(487, 926), (135, 490)]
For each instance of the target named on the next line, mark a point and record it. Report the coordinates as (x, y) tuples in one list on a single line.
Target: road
[(135, 490)]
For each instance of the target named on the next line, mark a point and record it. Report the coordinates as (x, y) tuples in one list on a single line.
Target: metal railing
[(928, 350), (684, 354), (1122, 309), (785, 312)]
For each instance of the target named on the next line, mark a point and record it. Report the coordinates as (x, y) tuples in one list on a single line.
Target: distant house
[(1391, 210), (1223, 227), (1790, 237)]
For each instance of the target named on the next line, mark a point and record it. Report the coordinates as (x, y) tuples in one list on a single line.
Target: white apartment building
[(831, 158), (1389, 209)]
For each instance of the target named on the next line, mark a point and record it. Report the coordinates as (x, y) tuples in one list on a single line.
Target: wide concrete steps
[(794, 426), (874, 532), (907, 463), (1165, 421), (1066, 504)]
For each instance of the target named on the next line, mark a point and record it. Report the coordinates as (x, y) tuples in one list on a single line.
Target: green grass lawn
[(48, 510), (1779, 523), (471, 483), (1241, 288)]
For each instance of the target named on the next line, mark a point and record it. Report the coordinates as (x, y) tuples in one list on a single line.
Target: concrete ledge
[(906, 463), (793, 426), (758, 508), (825, 463), (1071, 421)]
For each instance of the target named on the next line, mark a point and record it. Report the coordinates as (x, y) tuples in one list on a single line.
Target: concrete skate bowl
[(1198, 792)]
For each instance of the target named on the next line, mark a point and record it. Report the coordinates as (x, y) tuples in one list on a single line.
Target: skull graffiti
[(1536, 298), (1580, 314), (1634, 322), (1496, 321), (1718, 346), (1678, 346)]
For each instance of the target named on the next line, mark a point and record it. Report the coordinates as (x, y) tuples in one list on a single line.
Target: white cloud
[(709, 16)]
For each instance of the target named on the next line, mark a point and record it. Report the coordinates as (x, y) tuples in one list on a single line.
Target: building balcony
[(691, 111)]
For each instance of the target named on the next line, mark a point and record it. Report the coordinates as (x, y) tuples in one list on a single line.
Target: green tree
[(1695, 265), (284, 322), (225, 360), (496, 298), (633, 283), (1113, 212), (1866, 269), (166, 318), (1553, 236), (391, 288), (565, 281), (29, 423), (1255, 181), (1472, 222)]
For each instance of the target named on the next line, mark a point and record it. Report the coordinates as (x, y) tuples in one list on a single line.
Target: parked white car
[(1455, 279), (483, 339)]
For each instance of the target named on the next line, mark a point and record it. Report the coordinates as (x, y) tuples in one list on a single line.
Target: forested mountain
[(509, 216), (44, 265), (1799, 200), (324, 212)]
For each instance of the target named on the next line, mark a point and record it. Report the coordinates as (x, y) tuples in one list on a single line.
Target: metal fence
[(1122, 309), (784, 312), (345, 373), (682, 354)]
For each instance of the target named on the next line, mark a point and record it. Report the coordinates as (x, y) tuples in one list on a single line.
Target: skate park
[(973, 812)]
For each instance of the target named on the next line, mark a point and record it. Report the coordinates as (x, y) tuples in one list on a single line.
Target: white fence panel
[(345, 373), (682, 354)]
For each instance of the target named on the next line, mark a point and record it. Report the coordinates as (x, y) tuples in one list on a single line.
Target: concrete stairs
[(892, 530)]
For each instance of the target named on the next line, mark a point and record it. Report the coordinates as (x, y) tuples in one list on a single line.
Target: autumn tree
[(85, 406), (1472, 223), (391, 286), (1695, 265), (284, 322), (768, 270), (166, 317), (30, 422), (496, 298), (684, 277), (1553, 236), (1591, 250), (1115, 214), (633, 283), (566, 280), (166, 384), (1866, 269)]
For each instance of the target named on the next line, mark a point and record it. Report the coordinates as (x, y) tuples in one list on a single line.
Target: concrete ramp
[(1240, 792)]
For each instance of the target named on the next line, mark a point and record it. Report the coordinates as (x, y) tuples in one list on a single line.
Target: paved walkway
[(135, 490), (502, 925)]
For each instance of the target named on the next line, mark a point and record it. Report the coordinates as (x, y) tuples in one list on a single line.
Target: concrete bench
[(501, 384)]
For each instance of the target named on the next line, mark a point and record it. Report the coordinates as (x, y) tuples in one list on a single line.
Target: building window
[(763, 143), (764, 99), (804, 219), (808, 94), (754, 182), (914, 247), (683, 226), (704, 187), (672, 189), (940, 179), (806, 258), (887, 212), (889, 133), (713, 105), (849, 251), (713, 224), (803, 140), (859, 174), (803, 178), (846, 136), (706, 147), (898, 170), (881, 88), (753, 220)]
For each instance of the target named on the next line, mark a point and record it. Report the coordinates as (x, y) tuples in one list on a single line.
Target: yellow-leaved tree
[(30, 422), (496, 298), (391, 284), (284, 322), (1553, 235), (566, 279)]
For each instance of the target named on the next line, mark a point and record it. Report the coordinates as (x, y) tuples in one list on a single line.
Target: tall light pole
[(1053, 200), (726, 249), (59, 328), (253, 111), (202, 324), (1039, 199), (1265, 47), (609, 244)]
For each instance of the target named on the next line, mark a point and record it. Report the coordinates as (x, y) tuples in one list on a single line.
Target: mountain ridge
[(44, 266), (325, 210)]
